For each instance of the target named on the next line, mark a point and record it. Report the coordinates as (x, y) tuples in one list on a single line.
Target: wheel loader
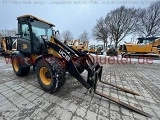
[(6, 45), (37, 46), (79, 45), (96, 49), (145, 47)]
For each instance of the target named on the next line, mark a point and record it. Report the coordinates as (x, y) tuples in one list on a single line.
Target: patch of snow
[(156, 61), (7, 69)]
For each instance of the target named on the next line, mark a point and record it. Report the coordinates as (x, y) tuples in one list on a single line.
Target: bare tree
[(121, 22), (101, 31), (84, 36), (58, 36), (149, 20), (1, 35), (7, 32), (67, 35)]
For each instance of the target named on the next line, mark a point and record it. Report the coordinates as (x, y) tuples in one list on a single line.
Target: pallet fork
[(97, 77), (94, 75)]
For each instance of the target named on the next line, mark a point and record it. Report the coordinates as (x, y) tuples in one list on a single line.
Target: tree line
[(123, 21), (64, 36), (117, 24)]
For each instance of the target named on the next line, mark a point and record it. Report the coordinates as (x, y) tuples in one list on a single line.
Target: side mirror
[(55, 32), (18, 35), (44, 37)]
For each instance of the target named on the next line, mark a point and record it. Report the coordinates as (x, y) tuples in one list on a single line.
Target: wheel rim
[(45, 76), (15, 65)]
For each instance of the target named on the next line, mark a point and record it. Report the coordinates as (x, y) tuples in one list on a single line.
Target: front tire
[(50, 75), (18, 68)]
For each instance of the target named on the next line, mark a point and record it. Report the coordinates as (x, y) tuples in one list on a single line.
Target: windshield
[(40, 28), (146, 40)]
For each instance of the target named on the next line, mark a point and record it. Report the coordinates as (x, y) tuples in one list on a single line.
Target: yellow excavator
[(145, 47)]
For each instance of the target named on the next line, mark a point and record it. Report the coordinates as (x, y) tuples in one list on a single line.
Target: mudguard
[(23, 59)]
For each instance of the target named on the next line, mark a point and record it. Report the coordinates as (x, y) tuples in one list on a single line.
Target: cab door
[(24, 39)]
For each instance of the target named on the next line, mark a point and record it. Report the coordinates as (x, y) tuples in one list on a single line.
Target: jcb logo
[(25, 46), (61, 52)]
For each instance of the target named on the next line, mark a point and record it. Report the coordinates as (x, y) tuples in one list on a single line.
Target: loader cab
[(92, 47), (99, 47), (31, 31)]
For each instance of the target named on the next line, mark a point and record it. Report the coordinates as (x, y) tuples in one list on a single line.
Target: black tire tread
[(55, 68), (23, 71)]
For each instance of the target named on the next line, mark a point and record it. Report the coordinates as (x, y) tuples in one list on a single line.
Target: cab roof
[(34, 17)]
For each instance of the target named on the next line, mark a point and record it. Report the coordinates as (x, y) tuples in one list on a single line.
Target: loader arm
[(69, 63)]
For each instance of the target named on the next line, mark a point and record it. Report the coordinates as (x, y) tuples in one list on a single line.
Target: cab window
[(25, 34)]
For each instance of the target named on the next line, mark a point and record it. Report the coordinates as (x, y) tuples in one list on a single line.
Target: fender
[(24, 60), (41, 57)]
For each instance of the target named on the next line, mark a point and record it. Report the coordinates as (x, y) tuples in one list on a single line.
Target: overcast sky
[(72, 15)]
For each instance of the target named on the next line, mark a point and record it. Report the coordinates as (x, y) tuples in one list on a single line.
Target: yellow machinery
[(6, 44), (79, 45), (96, 49), (92, 49), (145, 47), (37, 46)]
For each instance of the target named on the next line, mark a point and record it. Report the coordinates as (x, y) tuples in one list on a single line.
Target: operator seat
[(39, 46)]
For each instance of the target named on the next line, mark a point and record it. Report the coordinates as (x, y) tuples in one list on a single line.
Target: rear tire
[(51, 76), (17, 67)]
